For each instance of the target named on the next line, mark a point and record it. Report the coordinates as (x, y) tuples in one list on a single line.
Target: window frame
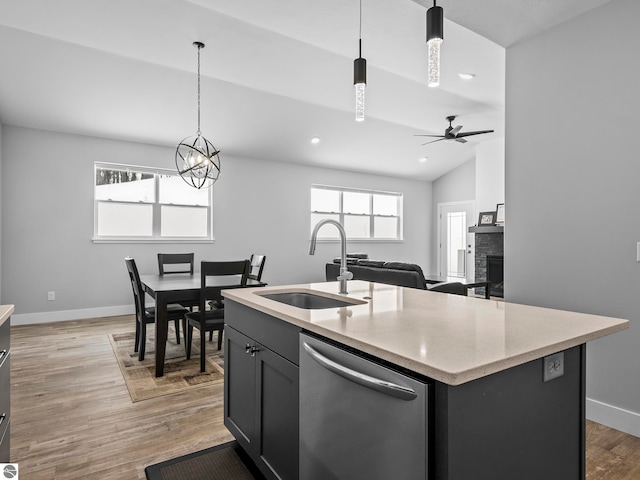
[(341, 214), (156, 206)]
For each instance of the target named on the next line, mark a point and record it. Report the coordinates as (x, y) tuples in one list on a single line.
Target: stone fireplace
[(489, 243), (495, 275)]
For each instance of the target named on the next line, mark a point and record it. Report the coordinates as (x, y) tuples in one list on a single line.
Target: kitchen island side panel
[(512, 424)]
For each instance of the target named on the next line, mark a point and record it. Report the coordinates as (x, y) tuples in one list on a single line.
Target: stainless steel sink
[(308, 301)]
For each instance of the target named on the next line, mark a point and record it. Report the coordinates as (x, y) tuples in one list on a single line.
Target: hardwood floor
[(611, 454), (72, 417)]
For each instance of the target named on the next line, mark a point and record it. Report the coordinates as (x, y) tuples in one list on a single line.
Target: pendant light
[(360, 75), (197, 160), (435, 36)]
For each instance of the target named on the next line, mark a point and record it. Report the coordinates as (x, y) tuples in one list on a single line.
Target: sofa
[(393, 273)]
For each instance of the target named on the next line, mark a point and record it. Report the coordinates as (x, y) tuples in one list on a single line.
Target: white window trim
[(341, 214), (156, 238)]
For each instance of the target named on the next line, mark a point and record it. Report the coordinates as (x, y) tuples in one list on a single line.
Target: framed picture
[(487, 218), (500, 214)]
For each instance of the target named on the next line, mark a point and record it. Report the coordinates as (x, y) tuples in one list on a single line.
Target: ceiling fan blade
[(455, 130), (433, 141), (478, 132), (461, 140), (428, 136)]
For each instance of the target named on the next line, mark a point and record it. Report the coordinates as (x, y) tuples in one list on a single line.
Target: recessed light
[(423, 159), (467, 76), (315, 140)]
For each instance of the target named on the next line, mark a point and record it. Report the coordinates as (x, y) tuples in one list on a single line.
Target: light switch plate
[(553, 366), (638, 252)]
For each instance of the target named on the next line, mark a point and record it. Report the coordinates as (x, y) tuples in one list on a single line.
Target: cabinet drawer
[(5, 335), (5, 398), (275, 334)]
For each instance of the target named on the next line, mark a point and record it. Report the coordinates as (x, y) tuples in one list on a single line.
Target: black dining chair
[(211, 320), (178, 263), (171, 263), (256, 266), (146, 315)]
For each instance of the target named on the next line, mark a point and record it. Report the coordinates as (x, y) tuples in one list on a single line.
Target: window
[(148, 204), (364, 214)]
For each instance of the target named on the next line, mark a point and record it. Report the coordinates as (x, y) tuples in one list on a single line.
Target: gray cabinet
[(5, 392), (261, 389)]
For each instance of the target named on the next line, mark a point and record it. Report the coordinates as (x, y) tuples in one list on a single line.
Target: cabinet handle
[(2, 417), (3, 353), (382, 386), (251, 349)]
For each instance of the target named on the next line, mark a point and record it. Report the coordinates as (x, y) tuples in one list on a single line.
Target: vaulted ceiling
[(275, 73)]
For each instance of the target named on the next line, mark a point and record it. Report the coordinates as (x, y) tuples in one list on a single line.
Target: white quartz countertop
[(5, 312), (450, 338)]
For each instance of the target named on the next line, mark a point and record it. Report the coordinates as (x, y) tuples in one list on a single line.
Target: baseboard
[(614, 417), (62, 315)]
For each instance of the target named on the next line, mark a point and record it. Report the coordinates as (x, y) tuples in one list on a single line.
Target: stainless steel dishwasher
[(359, 419)]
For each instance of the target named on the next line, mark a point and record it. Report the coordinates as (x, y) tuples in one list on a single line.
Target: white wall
[(259, 206), (489, 175), (456, 186), (572, 195)]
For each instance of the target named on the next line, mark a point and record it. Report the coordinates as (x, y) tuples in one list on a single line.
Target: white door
[(455, 243)]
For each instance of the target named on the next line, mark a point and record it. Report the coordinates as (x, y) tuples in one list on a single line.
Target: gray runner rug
[(222, 462)]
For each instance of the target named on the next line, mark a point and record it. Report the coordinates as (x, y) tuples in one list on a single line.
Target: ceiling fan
[(453, 133)]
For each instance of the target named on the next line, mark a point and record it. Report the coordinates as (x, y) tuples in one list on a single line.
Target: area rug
[(180, 374), (222, 462)]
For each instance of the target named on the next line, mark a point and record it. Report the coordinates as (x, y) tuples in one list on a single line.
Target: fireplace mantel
[(487, 229)]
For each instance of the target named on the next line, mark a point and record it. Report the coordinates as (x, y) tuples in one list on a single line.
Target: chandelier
[(197, 160)]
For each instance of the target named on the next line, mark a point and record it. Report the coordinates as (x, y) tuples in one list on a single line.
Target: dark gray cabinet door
[(261, 404), (278, 384), (240, 390)]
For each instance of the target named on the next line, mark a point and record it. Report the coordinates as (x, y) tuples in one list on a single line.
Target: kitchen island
[(505, 383)]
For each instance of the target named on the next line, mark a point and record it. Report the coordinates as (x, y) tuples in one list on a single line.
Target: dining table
[(174, 288)]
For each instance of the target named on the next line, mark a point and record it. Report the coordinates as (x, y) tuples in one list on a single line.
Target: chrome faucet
[(344, 273)]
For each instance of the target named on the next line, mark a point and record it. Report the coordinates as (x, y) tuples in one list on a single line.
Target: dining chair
[(211, 320), (177, 263), (146, 315), (256, 266), (455, 288)]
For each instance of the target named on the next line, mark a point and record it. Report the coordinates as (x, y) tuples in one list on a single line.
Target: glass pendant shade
[(359, 102), (197, 160), (435, 36), (360, 82), (433, 74)]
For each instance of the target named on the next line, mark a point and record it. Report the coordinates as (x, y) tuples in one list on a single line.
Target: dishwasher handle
[(382, 386)]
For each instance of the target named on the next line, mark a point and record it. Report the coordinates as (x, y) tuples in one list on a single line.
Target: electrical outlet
[(553, 366), (51, 295)]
